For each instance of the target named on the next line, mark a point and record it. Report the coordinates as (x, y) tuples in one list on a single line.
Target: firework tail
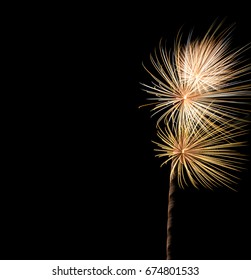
[(170, 208)]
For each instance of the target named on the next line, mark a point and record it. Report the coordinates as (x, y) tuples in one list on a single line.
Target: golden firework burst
[(203, 156), (202, 74)]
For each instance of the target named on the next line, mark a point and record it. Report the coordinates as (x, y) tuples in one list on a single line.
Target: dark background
[(81, 180)]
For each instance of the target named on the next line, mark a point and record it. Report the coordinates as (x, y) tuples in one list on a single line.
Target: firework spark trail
[(170, 210)]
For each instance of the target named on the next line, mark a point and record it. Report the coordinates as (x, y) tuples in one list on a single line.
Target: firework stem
[(171, 203)]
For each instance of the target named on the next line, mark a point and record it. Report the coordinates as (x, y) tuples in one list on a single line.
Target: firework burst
[(202, 74), (203, 156)]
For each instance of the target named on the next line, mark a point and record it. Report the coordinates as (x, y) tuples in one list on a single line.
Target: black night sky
[(83, 179)]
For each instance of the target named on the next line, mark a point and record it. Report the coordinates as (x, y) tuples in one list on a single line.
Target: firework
[(204, 157), (199, 91), (202, 74)]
